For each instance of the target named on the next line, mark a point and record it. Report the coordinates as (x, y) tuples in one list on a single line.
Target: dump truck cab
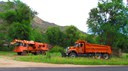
[(78, 48)]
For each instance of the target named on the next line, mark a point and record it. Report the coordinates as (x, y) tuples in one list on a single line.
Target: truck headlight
[(67, 49)]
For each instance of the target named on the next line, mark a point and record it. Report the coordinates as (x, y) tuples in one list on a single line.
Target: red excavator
[(24, 47)]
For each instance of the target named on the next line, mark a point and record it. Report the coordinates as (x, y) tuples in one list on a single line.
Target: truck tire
[(24, 53), (37, 53), (106, 56), (91, 55), (43, 52), (98, 56), (72, 54), (18, 53)]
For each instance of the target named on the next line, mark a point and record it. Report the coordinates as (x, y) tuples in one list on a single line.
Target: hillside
[(43, 25)]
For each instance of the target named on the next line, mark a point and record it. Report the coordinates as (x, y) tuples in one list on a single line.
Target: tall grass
[(7, 53), (57, 59)]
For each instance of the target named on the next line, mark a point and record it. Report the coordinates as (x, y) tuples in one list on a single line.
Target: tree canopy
[(109, 20), (64, 38), (55, 36), (72, 34), (16, 11), (19, 16)]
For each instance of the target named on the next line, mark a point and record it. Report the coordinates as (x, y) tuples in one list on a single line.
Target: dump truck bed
[(95, 48)]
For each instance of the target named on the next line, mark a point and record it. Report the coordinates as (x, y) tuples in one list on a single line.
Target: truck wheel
[(72, 54), (43, 52), (106, 56), (91, 55), (18, 53), (98, 56), (24, 53), (37, 53)]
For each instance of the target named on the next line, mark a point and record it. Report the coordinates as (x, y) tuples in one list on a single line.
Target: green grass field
[(57, 59), (9, 53)]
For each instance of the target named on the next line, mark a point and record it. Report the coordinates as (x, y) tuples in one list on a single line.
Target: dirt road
[(9, 62), (6, 62)]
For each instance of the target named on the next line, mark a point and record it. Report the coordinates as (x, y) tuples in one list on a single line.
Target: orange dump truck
[(23, 47), (82, 48)]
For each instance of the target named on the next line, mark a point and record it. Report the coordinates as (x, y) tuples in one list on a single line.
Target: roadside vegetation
[(56, 58), (7, 53)]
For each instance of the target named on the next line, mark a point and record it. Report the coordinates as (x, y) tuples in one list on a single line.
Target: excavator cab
[(19, 44)]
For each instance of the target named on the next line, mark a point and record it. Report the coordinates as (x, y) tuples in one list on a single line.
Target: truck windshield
[(76, 45), (19, 44)]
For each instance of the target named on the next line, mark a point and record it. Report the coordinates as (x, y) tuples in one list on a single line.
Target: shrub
[(48, 55), (57, 49)]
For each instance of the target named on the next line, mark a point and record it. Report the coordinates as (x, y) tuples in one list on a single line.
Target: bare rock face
[(43, 25)]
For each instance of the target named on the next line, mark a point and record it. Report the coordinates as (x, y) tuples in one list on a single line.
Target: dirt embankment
[(9, 62)]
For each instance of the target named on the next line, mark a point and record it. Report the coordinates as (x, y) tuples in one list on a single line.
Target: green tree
[(90, 38), (82, 36), (19, 16), (38, 36), (17, 11), (54, 36), (109, 21), (20, 31), (4, 38), (72, 35)]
